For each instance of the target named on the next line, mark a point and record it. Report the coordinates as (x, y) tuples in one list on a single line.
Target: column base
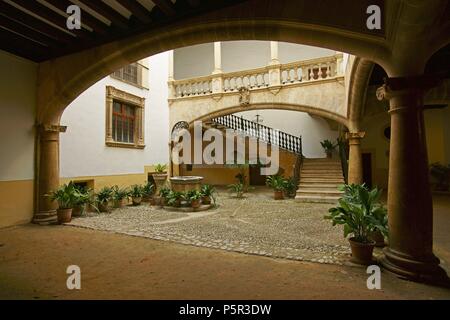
[(44, 218), (424, 270)]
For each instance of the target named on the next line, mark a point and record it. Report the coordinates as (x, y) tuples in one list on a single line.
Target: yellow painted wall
[(16, 202), (99, 182)]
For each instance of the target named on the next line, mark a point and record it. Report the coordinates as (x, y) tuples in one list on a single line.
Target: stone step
[(322, 180), (321, 160), (321, 176), (320, 166), (317, 199), (324, 171), (319, 192), (318, 185)]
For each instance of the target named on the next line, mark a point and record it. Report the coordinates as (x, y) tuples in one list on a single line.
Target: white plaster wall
[(290, 52), (17, 117), (83, 149), (193, 61), (312, 129), (198, 60), (242, 55)]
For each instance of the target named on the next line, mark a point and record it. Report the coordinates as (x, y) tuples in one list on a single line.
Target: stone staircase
[(319, 179)]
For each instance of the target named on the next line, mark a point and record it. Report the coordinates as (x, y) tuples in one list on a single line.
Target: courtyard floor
[(256, 224), (114, 265)]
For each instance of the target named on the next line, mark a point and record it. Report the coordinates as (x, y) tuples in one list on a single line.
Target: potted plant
[(442, 175), (173, 198), (65, 195), (278, 184), (149, 189), (119, 195), (104, 198), (136, 194), (83, 198), (291, 187), (359, 211), (163, 194), (329, 147), (160, 176), (194, 198), (207, 192), (238, 189)]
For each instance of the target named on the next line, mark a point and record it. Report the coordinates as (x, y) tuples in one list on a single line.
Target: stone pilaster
[(48, 172), (410, 208), (355, 166)]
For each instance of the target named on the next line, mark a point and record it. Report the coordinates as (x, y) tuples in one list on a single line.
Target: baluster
[(328, 70), (311, 74)]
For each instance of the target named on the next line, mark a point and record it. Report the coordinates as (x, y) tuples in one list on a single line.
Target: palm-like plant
[(237, 188), (119, 194), (65, 195), (208, 192), (104, 195), (173, 198), (360, 212), (160, 168), (277, 182), (148, 189)]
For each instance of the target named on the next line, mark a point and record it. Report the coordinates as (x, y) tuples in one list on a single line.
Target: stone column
[(355, 166), (410, 207), (48, 172), (217, 58), (170, 78), (274, 52), (217, 79)]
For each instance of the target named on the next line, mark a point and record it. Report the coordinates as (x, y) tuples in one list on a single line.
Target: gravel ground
[(256, 225)]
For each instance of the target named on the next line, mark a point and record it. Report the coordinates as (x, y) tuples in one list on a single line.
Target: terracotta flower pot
[(119, 203), (206, 200), (78, 211), (64, 215), (329, 155), (278, 195), (104, 207), (152, 201), (136, 201), (195, 203), (361, 252)]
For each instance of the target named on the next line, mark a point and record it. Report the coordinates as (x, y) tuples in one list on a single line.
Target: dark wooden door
[(256, 179)]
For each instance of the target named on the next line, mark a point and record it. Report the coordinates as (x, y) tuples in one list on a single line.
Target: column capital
[(355, 136), (52, 128), (406, 86)]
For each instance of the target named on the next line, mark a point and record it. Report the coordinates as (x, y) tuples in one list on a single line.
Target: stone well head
[(186, 183)]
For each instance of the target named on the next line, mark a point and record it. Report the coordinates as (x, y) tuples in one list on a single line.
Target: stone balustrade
[(271, 76)]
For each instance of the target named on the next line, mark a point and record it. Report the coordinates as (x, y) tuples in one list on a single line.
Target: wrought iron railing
[(266, 134)]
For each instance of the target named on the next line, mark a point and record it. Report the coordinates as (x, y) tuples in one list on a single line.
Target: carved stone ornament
[(244, 96)]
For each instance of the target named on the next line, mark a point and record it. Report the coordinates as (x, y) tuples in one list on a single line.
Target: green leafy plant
[(360, 212), (65, 195), (136, 191), (276, 182), (208, 191), (328, 146), (84, 197), (237, 188), (442, 175), (291, 187), (160, 168), (148, 189), (104, 195), (164, 192), (174, 198), (119, 194), (193, 195)]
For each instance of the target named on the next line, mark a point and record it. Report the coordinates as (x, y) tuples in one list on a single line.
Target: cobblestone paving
[(253, 225)]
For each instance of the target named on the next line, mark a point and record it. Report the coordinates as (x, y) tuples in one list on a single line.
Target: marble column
[(355, 166), (410, 207), (217, 58), (274, 52), (48, 172)]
